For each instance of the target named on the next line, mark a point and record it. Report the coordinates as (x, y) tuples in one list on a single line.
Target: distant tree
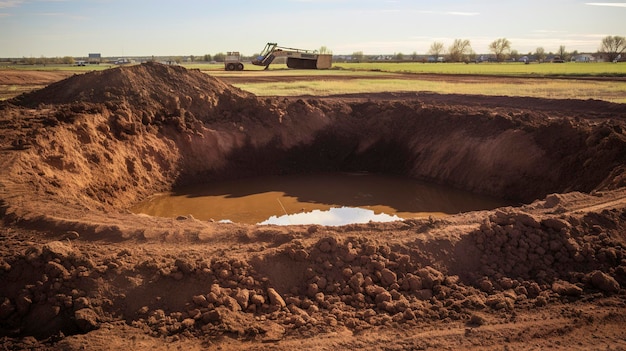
[(436, 49), (540, 53), (515, 55), (613, 46), (414, 56), (208, 58), (41, 60), (472, 56), (68, 60), (324, 50), (399, 56), (563, 53), (500, 47), (358, 56), (192, 58), (459, 50), (219, 57)]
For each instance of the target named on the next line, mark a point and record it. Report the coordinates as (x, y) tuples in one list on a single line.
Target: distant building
[(94, 58), (583, 58)]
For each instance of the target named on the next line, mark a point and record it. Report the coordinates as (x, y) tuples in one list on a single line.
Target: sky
[(117, 28)]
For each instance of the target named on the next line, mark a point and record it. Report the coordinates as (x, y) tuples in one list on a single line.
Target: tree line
[(461, 51), (67, 60), (613, 47)]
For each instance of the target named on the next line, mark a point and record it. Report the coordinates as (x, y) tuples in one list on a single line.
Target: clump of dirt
[(80, 271)]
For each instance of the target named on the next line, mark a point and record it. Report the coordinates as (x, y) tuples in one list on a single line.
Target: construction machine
[(232, 61), (296, 58)]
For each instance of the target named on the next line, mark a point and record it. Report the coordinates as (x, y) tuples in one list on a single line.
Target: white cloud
[(546, 31), (450, 13), (459, 13), (611, 4), (9, 3)]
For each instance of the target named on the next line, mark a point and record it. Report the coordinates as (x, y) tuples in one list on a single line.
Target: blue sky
[(34, 28)]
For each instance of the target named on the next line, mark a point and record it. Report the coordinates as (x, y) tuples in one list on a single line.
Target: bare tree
[(500, 47), (562, 53), (540, 53), (436, 49), (459, 50), (324, 50), (613, 46)]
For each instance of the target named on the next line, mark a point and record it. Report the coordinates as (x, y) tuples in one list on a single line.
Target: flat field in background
[(601, 81), (579, 69)]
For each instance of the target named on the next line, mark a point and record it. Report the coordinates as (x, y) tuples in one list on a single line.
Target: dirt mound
[(146, 83), (80, 271), (146, 93)]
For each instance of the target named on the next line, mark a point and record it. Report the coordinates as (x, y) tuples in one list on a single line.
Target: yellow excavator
[(296, 58)]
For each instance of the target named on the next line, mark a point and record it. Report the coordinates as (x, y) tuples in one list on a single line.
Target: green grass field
[(58, 67), (506, 69), (540, 80)]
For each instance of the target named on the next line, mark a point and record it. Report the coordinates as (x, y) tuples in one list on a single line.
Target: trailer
[(296, 58)]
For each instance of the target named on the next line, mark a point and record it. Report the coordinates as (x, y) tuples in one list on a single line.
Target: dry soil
[(79, 271)]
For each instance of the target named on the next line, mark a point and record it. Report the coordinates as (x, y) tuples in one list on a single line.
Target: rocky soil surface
[(79, 271)]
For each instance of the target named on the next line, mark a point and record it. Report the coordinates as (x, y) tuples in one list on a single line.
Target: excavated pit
[(79, 153), (128, 133)]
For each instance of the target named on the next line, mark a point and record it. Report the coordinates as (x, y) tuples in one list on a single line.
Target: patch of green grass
[(506, 69), (59, 67)]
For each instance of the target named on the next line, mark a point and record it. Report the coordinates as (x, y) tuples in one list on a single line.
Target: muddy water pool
[(326, 199)]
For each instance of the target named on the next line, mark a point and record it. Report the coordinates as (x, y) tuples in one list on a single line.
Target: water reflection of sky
[(333, 217), (311, 196)]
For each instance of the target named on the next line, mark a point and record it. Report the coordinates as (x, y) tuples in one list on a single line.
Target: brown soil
[(23, 77), (79, 271), (15, 82)]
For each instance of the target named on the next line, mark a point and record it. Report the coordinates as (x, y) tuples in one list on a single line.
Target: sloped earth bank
[(79, 271)]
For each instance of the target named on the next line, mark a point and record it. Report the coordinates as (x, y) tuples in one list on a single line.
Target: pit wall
[(108, 160), (480, 151)]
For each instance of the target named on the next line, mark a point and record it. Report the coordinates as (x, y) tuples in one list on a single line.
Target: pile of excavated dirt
[(79, 271)]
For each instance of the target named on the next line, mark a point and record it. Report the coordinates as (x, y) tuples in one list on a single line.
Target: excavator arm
[(296, 58)]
